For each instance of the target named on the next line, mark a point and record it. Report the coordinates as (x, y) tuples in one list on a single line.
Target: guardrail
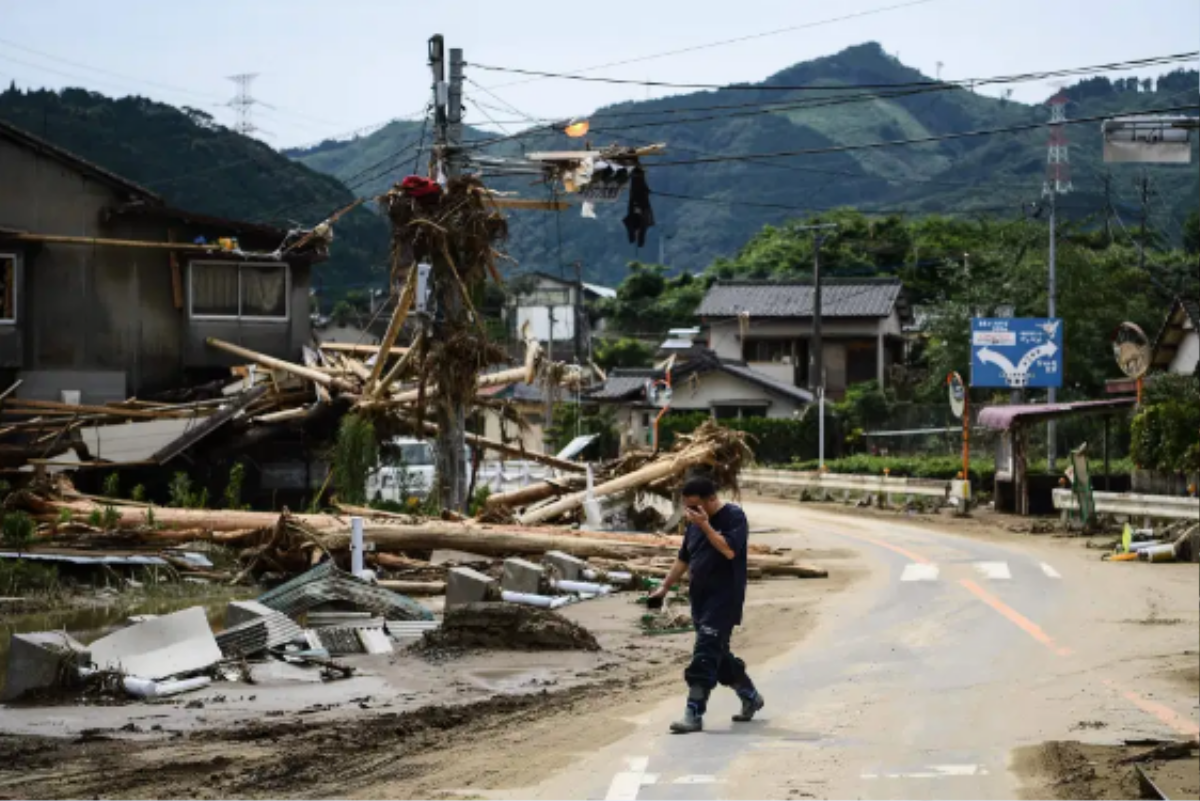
[(828, 486), (1147, 507)]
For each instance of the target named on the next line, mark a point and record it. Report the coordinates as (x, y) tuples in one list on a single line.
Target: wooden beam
[(46, 407), (535, 205), (369, 350), (210, 424), (93, 241), (316, 376)]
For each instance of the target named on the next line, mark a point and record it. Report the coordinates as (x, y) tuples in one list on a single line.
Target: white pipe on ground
[(145, 688), (528, 599), (615, 576), (581, 587)]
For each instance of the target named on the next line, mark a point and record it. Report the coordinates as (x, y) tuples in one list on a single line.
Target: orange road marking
[(1164, 713), (1020, 621), (907, 554)]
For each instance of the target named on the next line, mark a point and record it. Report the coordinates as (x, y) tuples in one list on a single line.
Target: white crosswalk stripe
[(919, 572), (993, 570), (1049, 571)]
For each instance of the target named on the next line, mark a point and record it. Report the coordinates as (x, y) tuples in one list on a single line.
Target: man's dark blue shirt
[(717, 584)]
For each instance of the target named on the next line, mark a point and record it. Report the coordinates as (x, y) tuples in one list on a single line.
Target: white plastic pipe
[(356, 545), (543, 601), (615, 576), (582, 587), (145, 688)]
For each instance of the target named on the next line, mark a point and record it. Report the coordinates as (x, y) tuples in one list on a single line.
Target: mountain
[(200, 166), (728, 201)]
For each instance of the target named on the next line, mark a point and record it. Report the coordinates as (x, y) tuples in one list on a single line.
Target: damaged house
[(109, 298), (98, 302)]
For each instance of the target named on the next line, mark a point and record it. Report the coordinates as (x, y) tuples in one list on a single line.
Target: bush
[(1165, 428), (942, 468), (355, 455), (182, 496), (17, 530)]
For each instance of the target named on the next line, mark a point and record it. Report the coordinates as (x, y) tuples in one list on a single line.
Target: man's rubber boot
[(691, 722), (749, 707)]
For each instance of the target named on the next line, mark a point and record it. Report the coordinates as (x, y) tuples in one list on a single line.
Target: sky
[(329, 69)]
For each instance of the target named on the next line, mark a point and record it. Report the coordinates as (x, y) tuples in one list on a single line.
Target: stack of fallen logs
[(288, 544)]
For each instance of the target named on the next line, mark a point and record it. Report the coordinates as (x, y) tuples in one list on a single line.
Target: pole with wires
[(816, 359)]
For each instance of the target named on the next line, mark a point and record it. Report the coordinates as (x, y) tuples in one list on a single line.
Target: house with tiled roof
[(1176, 348), (704, 382), (767, 325)]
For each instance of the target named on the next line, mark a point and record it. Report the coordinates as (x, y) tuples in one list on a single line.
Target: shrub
[(233, 490), (355, 455), (17, 530), (1164, 431), (112, 486), (773, 440)]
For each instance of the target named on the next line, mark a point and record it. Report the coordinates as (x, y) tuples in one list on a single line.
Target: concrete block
[(165, 646), (466, 586), (570, 568), (521, 576), (242, 611), (41, 659)]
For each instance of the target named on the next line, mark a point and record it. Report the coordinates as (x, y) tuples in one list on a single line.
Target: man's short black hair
[(699, 487)]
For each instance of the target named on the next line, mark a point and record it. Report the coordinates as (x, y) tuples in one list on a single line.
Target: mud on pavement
[(456, 733), (1070, 770)]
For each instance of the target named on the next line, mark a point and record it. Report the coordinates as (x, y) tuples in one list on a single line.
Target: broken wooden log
[(535, 492), (413, 587), (312, 374)]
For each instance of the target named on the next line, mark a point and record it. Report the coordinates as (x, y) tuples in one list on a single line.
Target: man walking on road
[(714, 556)]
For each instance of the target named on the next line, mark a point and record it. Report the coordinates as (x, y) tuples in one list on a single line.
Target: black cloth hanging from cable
[(640, 217)]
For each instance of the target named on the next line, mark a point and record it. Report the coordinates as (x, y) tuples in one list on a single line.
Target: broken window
[(225, 289), (8, 288)]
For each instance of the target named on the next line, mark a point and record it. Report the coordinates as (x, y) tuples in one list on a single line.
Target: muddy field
[(414, 722)]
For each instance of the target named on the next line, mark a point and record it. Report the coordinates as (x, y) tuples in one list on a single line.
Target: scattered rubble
[(509, 627)]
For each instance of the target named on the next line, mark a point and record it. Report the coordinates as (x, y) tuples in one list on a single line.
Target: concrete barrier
[(838, 486), (1126, 504)]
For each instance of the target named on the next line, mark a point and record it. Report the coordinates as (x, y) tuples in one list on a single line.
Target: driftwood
[(535, 492), (413, 587)]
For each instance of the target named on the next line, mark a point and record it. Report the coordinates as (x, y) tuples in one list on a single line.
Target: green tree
[(623, 352)]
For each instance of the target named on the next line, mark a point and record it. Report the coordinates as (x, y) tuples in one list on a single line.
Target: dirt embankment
[(440, 742), (1075, 770)]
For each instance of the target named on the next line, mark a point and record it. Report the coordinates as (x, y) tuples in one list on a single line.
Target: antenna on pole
[(242, 103)]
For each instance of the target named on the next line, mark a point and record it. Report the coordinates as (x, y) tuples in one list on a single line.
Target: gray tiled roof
[(628, 384), (839, 298), (620, 387)]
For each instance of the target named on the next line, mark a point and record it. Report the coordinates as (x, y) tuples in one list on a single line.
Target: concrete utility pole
[(816, 359), (1144, 192), (1058, 181), (447, 105)]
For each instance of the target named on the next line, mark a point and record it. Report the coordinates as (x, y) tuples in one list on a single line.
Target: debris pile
[(1177, 542)]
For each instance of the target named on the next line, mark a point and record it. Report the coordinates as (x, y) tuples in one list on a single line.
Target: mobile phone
[(654, 603)]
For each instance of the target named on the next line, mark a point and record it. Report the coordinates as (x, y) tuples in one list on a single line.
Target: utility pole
[(1144, 193), (1108, 206), (1058, 181), (447, 105), (816, 358)]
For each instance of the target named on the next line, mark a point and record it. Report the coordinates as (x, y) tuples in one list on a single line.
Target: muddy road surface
[(930, 664)]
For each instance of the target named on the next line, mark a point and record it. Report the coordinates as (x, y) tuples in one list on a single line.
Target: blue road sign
[(1016, 352)]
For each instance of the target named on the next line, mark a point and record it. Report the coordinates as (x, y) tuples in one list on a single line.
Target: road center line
[(625, 785), (1164, 713), (1020, 621)]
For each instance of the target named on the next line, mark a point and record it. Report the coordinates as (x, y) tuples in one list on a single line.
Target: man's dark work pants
[(712, 664)]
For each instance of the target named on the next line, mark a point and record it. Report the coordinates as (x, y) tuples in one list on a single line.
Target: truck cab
[(407, 468)]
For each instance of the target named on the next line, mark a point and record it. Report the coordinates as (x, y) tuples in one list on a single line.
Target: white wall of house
[(1188, 354), (717, 388), (725, 336), (538, 318)]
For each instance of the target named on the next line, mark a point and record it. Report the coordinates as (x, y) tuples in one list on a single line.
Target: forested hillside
[(200, 166), (708, 210)]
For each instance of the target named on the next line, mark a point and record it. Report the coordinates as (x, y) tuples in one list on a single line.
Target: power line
[(916, 141), (735, 40), (960, 83)]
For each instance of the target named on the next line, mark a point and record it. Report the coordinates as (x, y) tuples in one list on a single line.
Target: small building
[(558, 312), (1177, 347), (97, 302), (768, 325), (723, 388)]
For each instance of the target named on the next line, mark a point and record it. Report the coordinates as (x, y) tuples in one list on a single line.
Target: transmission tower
[(242, 103), (1058, 160)]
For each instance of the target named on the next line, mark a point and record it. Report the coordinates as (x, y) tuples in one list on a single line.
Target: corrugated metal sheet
[(862, 298), (325, 583), (77, 559)]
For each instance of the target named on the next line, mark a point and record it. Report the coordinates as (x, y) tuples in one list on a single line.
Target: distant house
[(556, 311), (768, 325), (1177, 346), (721, 388), (128, 314)]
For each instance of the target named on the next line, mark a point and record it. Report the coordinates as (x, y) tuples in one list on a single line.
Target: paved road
[(921, 680)]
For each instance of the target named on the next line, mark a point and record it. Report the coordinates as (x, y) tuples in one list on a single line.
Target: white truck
[(407, 467)]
